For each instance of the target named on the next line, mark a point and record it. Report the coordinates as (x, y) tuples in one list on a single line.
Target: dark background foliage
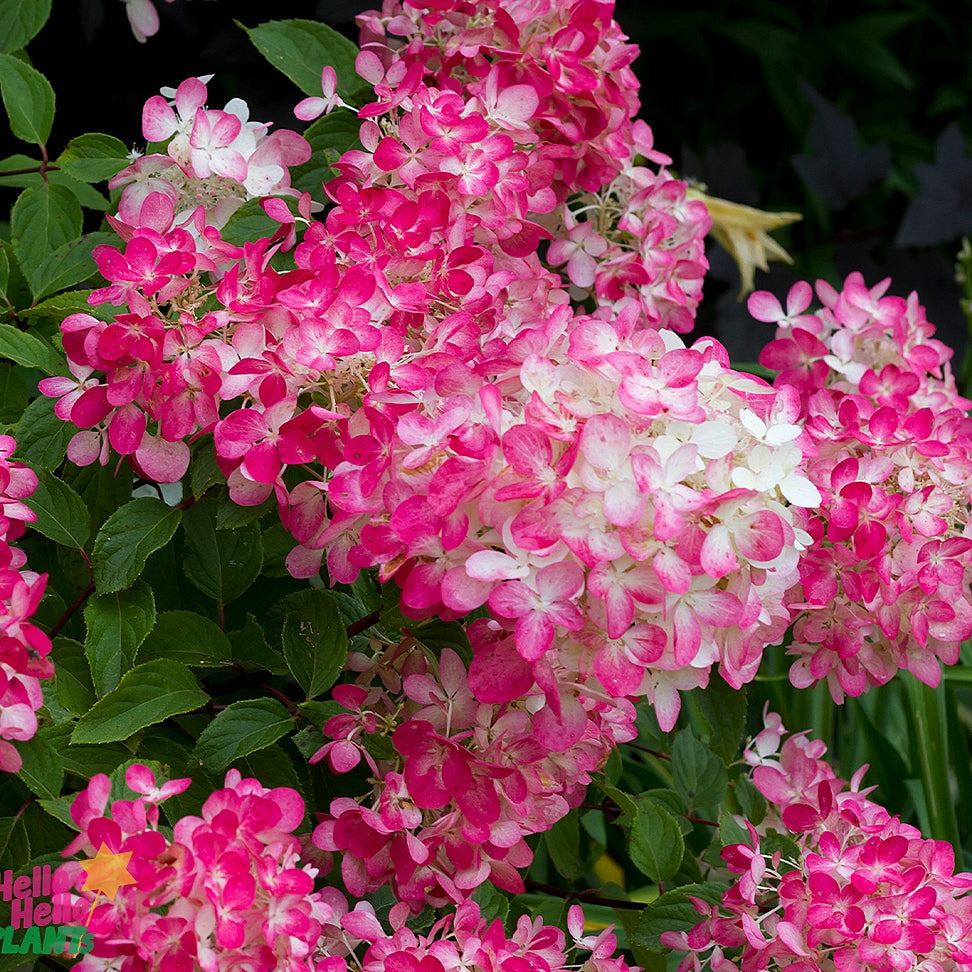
[(854, 114)]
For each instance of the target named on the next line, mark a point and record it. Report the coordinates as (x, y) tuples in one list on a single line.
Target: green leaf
[(29, 350), (13, 394), (330, 136), (302, 48), (492, 902), (146, 695), (86, 761), (72, 676), (625, 802), (251, 651), (42, 220), (240, 729), (70, 264), (4, 271), (220, 563), (731, 832), (22, 20), (42, 438), (28, 98), (117, 624), (724, 709), (126, 539), (315, 641), (672, 911), (42, 770), (14, 843), (655, 842), (750, 800), (62, 515), (697, 773), (563, 846), (93, 157), (187, 637), (61, 305), (33, 178), (249, 222)]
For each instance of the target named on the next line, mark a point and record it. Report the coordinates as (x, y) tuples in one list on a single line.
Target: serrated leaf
[(4, 270), (625, 801), (43, 219), (85, 761), (221, 564), (42, 438), (62, 515), (315, 642), (41, 770), (187, 637), (28, 98), (272, 766), (93, 157), (14, 396), (240, 729), (731, 832), (14, 843), (22, 20), (673, 911), (61, 305), (72, 676), (750, 800), (117, 624), (126, 539), (302, 48), (145, 696), (249, 222), (697, 773), (563, 846), (330, 136), (29, 350), (251, 651), (655, 842), (70, 264), (724, 710)]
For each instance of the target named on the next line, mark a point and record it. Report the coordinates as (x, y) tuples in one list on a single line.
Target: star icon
[(107, 872)]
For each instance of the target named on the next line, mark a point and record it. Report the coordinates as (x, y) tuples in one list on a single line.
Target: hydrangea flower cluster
[(216, 159), (445, 412), (555, 78), (465, 940), (885, 583), (457, 783), (229, 891), (24, 648), (865, 891)]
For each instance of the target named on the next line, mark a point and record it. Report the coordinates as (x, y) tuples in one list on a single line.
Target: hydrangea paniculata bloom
[(24, 648), (885, 583), (866, 893), (228, 890), (462, 781)]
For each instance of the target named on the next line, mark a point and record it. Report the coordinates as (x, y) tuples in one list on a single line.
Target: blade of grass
[(929, 755)]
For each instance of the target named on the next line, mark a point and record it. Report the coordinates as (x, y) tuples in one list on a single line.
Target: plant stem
[(362, 624), (66, 616)]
